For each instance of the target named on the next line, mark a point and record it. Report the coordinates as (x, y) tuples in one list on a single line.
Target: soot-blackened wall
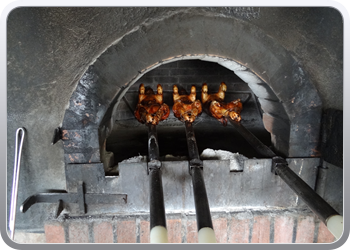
[(296, 51)]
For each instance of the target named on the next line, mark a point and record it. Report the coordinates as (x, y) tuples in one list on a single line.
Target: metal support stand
[(157, 208), (199, 191)]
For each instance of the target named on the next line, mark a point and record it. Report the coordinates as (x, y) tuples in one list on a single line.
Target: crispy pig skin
[(186, 107), (215, 106), (150, 108)]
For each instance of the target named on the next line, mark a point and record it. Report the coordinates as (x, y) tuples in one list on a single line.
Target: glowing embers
[(215, 106), (150, 108), (186, 108)]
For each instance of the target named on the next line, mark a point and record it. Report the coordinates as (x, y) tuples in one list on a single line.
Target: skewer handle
[(158, 232)]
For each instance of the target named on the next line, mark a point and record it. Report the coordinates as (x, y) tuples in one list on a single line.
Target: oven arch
[(269, 69)]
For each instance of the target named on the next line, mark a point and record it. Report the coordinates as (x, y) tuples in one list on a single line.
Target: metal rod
[(199, 191), (259, 147), (200, 199), (157, 209), (314, 201), (16, 170), (153, 147), (191, 142)]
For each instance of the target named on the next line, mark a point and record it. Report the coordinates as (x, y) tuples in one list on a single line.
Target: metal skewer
[(20, 132), (204, 222), (150, 110), (314, 201), (186, 108), (157, 209)]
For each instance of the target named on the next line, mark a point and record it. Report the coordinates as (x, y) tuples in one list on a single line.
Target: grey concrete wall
[(50, 48)]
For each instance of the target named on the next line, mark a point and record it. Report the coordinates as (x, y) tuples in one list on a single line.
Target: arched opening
[(290, 104), (128, 137)]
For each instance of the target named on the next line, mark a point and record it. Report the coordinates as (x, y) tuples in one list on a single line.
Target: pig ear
[(142, 89), (205, 95), (193, 89), (204, 87), (159, 89), (223, 86)]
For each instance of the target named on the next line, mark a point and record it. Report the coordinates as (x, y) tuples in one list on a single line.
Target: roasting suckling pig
[(150, 108), (214, 105), (186, 107)]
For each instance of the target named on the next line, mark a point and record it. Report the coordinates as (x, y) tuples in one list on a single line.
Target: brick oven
[(92, 184)]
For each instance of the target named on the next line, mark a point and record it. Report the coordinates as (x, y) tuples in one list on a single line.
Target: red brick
[(144, 231), (103, 232), (78, 232), (238, 231), (126, 232), (54, 233), (324, 236), (192, 233), (174, 231), (261, 229), (283, 229), (305, 230), (220, 229)]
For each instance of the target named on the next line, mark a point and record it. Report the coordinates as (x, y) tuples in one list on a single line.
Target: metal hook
[(20, 132)]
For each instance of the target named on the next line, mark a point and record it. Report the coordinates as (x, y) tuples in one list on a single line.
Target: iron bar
[(191, 142), (280, 167), (259, 147), (201, 203), (157, 208), (199, 191), (313, 200), (153, 147), (81, 201)]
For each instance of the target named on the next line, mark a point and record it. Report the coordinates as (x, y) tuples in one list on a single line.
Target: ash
[(140, 158), (236, 159)]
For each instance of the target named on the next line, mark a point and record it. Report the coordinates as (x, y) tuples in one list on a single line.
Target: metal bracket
[(278, 161), (154, 164), (57, 135), (82, 198), (195, 163), (59, 208)]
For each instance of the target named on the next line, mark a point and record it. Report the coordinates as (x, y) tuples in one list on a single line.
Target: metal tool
[(186, 108), (150, 111), (258, 146), (20, 133), (81, 197), (204, 222), (157, 208), (280, 167)]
